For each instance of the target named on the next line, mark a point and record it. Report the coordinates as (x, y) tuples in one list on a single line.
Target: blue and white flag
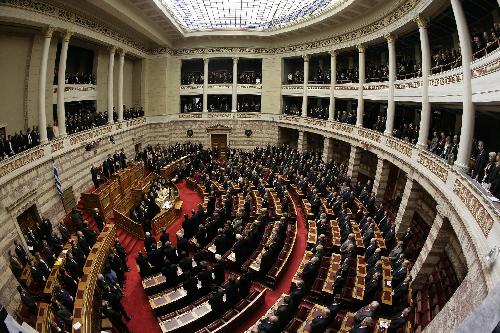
[(56, 179)]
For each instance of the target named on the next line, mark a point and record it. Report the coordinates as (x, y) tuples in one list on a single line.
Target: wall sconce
[(491, 256)]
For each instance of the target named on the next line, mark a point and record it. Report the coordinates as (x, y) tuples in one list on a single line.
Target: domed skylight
[(196, 15)]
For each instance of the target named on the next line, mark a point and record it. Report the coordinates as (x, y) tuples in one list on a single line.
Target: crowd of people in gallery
[(318, 111), (252, 105), (292, 109), (194, 77), (250, 77), (19, 142), (76, 78), (192, 105), (220, 77), (86, 117)]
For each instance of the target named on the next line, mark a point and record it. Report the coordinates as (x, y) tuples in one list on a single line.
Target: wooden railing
[(85, 313), (132, 227)]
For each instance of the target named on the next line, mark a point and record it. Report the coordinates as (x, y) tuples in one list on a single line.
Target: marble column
[(300, 142), (354, 162), (327, 149), (425, 114), (381, 179), (304, 89), (121, 61), (361, 103), (111, 65), (234, 97), (205, 84), (431, 251), (391, 104), (333, 75), (468, 114), (407, 206), (61, 84), (42, 84)]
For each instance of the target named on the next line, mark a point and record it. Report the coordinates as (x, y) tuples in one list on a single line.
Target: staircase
[(128, 241)]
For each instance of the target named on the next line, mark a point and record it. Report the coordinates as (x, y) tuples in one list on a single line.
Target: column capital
[(47, 32), (67, 35), (235, 59), (112, 49), (121, 52), (333, 53), (361, 48), (206, 60), (305, 57), (421, 21), (391, 38)]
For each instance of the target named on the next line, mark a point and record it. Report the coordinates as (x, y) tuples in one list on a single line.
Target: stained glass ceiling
[(203, 15)]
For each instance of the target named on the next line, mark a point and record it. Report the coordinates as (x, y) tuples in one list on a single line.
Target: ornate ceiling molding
[(93, 24)]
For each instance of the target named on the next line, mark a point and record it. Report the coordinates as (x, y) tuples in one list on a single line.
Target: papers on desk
[(224, 298), (77, 325), (212, 248), (193, 263), (213, 276), (179, 271), (383, 324), (232, 257), (493, 199), (199, 284), (388, 283), (65, 251)]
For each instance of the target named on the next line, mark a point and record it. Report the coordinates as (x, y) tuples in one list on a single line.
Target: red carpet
[(284, 284), (135, 300)]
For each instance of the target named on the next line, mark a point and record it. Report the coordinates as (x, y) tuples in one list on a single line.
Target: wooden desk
[(386, 296), (331, 275), (335, 234), (307, 256), (185, 318), (357, 235), (347, 323), (381, 324), (153, 283), (54, 273), (358, 291), (380, 239), (312, 233), (167, 298)]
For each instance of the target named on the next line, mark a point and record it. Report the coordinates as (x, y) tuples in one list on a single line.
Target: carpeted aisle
[(135, 300), (284, 285)]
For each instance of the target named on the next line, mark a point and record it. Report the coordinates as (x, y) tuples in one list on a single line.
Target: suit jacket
[(319, 324), (480, 164), (363, 329)]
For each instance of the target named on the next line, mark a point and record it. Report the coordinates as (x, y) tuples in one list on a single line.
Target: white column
[(42, 118), (361, 103), (425, 114), (205, 84), (306, 79), (391, 105), (234, 100), (121, 61), (61, 77), (110, 83), (333, 75), (468, 115)]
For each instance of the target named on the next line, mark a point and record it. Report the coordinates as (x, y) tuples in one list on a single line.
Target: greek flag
[(56, 179)]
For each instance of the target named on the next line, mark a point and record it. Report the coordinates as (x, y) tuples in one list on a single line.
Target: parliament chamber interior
[(256, 166)]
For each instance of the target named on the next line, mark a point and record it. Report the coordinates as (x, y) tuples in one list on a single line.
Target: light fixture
[(491, 256)]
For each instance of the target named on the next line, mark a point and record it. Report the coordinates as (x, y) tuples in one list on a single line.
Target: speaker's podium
[(111, 194)]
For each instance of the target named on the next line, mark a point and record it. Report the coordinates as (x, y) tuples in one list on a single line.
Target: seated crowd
[(19, 142), (193, 106), (296, 77), (246, 106), (292, 110), (220, 77), (486, 42)]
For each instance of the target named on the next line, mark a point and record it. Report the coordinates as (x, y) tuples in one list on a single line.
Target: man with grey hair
[(480, 161)]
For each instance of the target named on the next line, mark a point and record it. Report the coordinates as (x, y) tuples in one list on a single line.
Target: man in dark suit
[(21, 253), (27, 301), (82, 243), (480, 162), (115, 318), (232, 294), (320, 323), (365, 312), (398, 321), (142, 262), (190, 285), (149, 242), (123, 159), (99, 221), (205, 277), (364, 327), (245, 282), (218, 270), (399, 275), (216, 302), (95, 176)]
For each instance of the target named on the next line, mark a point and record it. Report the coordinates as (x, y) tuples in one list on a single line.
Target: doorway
[(219, 141), (28, 219)]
